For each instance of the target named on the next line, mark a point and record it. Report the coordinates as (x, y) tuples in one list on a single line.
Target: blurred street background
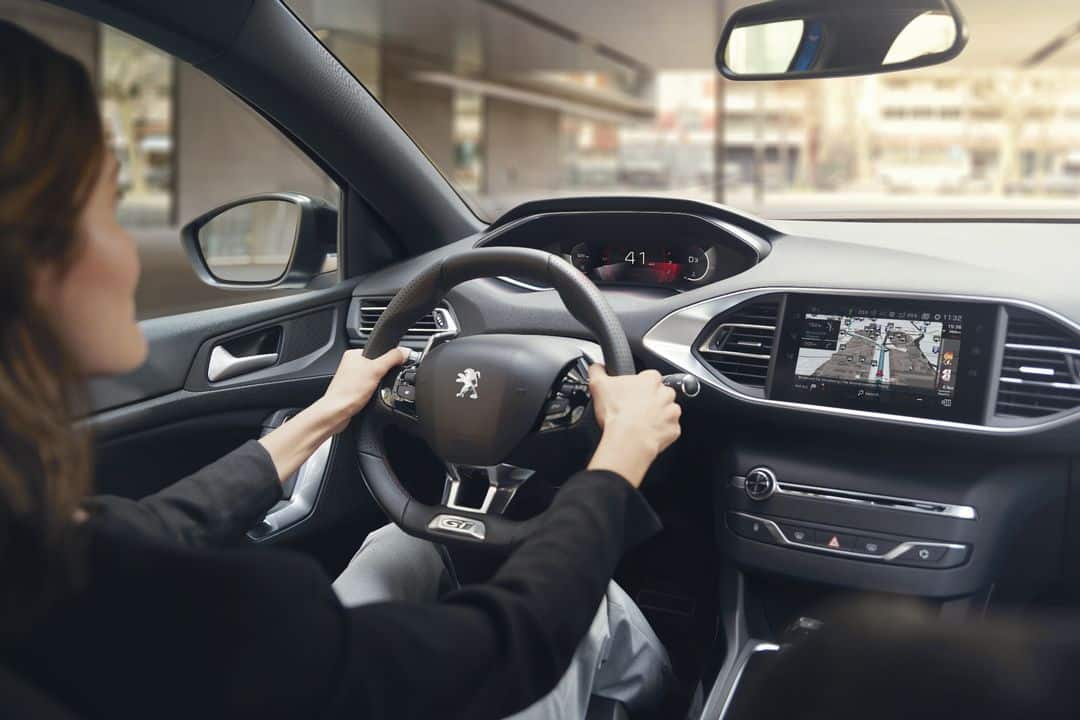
[(519, 99)]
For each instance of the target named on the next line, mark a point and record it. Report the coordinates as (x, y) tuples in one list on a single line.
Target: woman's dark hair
[(52, 146)]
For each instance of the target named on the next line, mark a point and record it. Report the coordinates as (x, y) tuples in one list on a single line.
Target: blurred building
[(518, 99)]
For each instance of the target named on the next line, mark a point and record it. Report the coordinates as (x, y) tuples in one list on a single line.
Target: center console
[(889, 516), (877, 446), (815, 522)]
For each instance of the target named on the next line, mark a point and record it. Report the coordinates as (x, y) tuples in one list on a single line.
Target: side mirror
[(275, 240), (795, 39)]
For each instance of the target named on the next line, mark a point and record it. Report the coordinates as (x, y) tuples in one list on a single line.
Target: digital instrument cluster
[(668, 249), (671, 264)]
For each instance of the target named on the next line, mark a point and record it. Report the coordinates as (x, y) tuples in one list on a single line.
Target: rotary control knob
[(760, 483)]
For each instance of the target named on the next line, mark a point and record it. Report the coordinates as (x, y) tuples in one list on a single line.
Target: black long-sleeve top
[(166, 628)]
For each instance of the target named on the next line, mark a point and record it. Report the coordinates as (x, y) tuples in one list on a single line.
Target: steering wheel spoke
[(499, 483)]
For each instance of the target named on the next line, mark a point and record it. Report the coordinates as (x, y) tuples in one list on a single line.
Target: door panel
[(175, 340), (167, 420)]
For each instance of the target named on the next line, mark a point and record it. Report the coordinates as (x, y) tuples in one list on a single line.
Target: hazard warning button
[(834, 540)]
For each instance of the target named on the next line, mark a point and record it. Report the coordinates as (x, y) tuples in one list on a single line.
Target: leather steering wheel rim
[(583, 301), (580, 296)]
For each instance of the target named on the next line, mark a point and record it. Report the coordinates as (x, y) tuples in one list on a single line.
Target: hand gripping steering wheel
[(491, 406)]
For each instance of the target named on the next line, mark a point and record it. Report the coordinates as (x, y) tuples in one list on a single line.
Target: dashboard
[(898, 325), (882, 403), (940, 329), (671, 250)]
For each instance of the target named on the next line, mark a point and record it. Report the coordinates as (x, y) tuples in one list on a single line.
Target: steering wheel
[(492, 407)]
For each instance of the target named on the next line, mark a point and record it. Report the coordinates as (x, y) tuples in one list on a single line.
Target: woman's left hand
[(355, 382), (350, 390)]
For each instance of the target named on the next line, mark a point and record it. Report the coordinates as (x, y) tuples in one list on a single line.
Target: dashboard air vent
[(365, 312), (739, 348), (1040, 368)]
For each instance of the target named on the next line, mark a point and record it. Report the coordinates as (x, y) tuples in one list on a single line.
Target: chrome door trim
[(224, 365), (301, 503)]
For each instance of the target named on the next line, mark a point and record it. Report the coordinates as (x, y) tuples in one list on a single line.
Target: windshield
[(525, 99)]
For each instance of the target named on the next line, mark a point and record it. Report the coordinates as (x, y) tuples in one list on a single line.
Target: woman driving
[(122, 608)]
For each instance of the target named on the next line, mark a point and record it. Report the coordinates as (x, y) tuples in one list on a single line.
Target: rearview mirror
[(273, 240), (793, 39)]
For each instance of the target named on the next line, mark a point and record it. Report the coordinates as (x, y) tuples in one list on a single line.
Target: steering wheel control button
[(402, 395), (558, 407), (751, 528), (685, 384), (760, 483), (567, 404)]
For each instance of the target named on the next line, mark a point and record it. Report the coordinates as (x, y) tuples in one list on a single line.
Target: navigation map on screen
[(899, 352)]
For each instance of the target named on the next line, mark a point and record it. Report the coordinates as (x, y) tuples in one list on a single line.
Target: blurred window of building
[(186, 145)]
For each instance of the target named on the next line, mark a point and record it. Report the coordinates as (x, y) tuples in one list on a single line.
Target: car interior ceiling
[(887, 416)]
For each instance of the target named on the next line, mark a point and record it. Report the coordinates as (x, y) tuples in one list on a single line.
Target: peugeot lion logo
[(469, 380)]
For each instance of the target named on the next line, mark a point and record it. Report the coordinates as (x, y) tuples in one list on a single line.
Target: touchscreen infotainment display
[(927, 359)]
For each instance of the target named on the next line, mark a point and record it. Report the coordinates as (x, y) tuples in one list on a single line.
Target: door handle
[(225, 365)]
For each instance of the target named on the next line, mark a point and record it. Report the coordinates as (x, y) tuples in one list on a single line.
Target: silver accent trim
[(448, 318), (458, 525), (706, 348), (779, 537), (450, 332), (305, 493), (733, 353), (224, 365), (1040, 383), (1042, 348), (749, 650), (884, 502), (672, 339), (503, 483), (522, 284)]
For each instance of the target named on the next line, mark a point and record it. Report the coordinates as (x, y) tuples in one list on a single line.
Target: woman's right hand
[(640, 419)]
